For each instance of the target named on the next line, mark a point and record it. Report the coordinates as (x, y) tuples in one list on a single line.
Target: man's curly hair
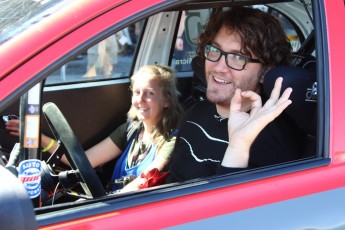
[(260, 34)]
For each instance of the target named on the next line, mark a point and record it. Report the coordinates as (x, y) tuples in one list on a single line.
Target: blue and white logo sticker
[(29, 172)]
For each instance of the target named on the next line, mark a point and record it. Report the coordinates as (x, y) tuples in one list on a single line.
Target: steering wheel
[(75, 154)]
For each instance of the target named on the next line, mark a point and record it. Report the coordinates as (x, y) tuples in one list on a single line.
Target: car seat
[(198, 84), (303, 97)]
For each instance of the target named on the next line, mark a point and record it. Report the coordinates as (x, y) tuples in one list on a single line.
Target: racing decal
[(31, 134), (29, 172), (32, 119)]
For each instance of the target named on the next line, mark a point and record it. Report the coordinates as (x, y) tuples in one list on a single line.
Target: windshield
[(18, 15)]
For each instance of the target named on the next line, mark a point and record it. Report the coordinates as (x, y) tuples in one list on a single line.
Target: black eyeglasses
[(233, 60)]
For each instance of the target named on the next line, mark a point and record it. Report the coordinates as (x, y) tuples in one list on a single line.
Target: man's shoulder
[(203, 114), (200, 111), (202, 106)]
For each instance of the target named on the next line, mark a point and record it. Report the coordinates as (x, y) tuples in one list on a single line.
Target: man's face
[(221, 79)]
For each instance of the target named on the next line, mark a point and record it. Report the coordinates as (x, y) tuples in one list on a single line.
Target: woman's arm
[(159, 163), (103, 152), (99, 154)]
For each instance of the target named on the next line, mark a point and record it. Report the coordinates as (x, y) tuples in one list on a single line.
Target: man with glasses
[(238, 47)]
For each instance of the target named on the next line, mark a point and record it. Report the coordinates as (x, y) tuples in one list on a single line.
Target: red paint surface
[(217, 202), (56, 32), (202, 205)]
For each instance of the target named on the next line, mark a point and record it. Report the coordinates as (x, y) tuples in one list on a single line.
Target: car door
[(309, 191)]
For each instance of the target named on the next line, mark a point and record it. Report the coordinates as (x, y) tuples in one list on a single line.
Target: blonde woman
[(147, 139)]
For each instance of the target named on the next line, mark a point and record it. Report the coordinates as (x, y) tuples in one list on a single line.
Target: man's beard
[(213, 96)]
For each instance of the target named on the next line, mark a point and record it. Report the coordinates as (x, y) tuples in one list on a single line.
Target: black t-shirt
[(203, 139)]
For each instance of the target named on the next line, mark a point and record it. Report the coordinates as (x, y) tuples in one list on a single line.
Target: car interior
[(81, 96)]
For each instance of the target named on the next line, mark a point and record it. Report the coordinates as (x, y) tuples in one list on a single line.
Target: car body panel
[(190, 208), (283, 215), (333, 11), (261, 201), (71, 19)]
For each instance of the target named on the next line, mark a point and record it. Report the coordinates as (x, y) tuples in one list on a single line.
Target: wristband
[(51, 143)]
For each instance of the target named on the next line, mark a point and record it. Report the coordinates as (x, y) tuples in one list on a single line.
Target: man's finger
[(286, 94), (236, 101), (275, 93), (255, 101)]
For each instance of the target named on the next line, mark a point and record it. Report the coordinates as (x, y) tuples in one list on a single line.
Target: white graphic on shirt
[(209, 137), (195, 157)]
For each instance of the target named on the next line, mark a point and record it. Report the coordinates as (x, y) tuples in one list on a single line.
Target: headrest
[(198, 67), (304, 61), (303, 96)]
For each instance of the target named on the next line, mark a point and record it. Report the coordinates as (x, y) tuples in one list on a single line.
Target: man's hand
[(244, 127)]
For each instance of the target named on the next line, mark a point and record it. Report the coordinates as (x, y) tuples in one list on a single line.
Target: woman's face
[(148, 99)]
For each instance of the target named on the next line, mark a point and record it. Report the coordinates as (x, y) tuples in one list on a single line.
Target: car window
[(113, 56), (110, 58), (290, 30), (191, 24)]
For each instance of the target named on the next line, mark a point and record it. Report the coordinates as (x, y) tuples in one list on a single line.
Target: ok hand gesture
[(244, 127)]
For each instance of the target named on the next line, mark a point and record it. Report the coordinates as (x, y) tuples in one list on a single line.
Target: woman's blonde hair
[(171, 115)]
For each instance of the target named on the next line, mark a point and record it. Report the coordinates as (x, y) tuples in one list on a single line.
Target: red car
[(50, 59)]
